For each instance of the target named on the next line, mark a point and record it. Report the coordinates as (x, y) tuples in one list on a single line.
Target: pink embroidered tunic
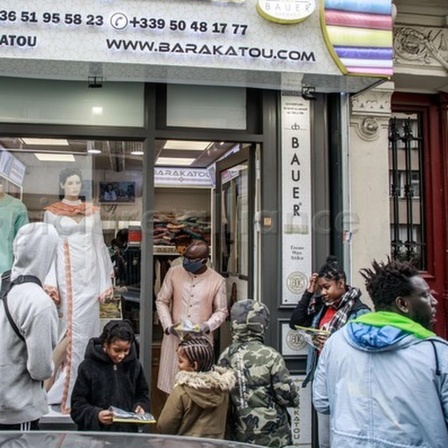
[(185, 296)]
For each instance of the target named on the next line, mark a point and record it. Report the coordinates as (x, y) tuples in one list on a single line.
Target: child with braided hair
[(197, 405), (110, 375)]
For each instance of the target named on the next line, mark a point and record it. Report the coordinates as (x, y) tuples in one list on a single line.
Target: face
[(195, 258), (183, 362), (331, 290), (72, 187), (421, 304), (117, 350)]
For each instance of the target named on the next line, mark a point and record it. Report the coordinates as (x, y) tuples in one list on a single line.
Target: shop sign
[(11, 167), (359, 36), (286, 11), (301, 424), (296, 197), (206, 34), (17, 172), (182, 177)]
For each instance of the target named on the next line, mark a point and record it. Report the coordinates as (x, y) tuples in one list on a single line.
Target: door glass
[(234, 220)]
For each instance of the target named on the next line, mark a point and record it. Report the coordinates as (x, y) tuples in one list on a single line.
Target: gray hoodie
[(24, 365)]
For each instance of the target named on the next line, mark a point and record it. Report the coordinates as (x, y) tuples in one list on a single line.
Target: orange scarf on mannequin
[(65, 209)]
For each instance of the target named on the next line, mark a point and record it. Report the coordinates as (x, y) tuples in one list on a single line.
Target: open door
[(236, 204)]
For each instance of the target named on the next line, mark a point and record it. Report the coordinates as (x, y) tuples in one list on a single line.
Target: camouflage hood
[(249, 320)]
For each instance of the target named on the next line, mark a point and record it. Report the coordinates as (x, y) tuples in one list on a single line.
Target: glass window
[(407, 200), (70, 102), (91, 192), (206, 107)]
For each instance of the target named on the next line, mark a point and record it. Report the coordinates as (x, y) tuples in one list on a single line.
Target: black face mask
[(192, 266)]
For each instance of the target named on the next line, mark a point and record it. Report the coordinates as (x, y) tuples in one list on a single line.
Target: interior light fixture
[(49, 157), (44, 141), (187, 145), (174, 161), (91, 148), (136, 148)]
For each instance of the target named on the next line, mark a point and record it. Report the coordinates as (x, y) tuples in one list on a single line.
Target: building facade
[(239, 122)]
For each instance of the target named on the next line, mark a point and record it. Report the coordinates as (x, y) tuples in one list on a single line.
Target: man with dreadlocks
[(327, 304), (197, 406), (384, 377)]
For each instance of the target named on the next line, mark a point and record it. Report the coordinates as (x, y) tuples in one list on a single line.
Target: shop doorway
[(214, 198), (207, 194)]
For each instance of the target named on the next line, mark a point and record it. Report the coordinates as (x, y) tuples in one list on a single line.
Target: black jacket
[(101, 383), (301, 317)]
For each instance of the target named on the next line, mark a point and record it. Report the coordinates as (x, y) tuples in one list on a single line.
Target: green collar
[(383, 318)]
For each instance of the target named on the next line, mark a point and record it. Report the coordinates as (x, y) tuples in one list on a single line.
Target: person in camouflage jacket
[(264, 388)]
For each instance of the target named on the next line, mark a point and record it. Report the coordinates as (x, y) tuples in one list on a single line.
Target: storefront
[(220, 120)]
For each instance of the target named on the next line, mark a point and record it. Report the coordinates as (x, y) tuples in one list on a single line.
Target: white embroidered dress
[(82, 277)]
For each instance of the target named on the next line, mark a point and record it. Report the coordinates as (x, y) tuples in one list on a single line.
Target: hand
[(139, 410), (312, 285), (320, 340), (172, 330), (205, 329), (106, 417)]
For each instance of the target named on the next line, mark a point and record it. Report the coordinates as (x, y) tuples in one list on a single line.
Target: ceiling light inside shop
[(48, 157), (187, 145), (174, 161), (135, 148), (91, 148), (44, 142)]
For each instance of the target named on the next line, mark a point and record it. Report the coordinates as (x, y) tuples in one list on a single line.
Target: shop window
[(71, 102), (406, 178), (206, 107), (91, 192)]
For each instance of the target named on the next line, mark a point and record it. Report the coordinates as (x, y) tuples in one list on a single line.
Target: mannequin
[(81, 277), (13, 215)]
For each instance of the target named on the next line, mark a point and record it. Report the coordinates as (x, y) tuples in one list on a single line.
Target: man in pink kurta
[(191, 292)]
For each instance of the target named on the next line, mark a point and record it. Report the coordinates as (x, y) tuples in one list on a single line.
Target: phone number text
[(51, 17), (121, 21)]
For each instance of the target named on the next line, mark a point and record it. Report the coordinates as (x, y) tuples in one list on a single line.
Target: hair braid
[(331, 270), (198, 349)]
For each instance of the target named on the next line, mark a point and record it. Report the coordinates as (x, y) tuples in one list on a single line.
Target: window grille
[(406, 177)]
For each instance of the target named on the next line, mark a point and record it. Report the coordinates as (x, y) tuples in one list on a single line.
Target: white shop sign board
[(296, 197), (225, 34)]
